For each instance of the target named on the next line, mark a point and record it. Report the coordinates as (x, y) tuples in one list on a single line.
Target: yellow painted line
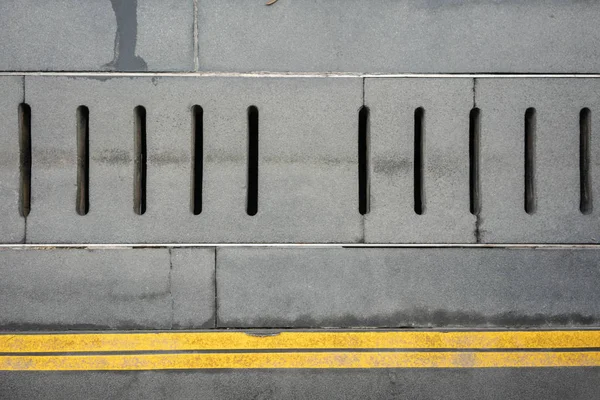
[(101, 342), (301, 360)]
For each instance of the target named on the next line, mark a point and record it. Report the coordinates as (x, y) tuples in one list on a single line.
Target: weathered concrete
[(193, 288), (557, 217), (307, 160), (450, 384), (286, 287), (106, 289), (446, 217), (400, 36), (121, 35), (12, 225)]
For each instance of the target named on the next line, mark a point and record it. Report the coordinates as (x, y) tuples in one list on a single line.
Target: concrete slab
[(116, 35), (400, 36), (307, 185), (81, 289), (557, 217), (67, 289), (12, 223), (291, 287), (446, 217), (458, 384)]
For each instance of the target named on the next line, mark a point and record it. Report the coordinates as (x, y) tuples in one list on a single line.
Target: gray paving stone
[(446, 217), (400, 36), (11, 223), (293, 384), (64, 289), (557, 218), (82, 289), (291, 287), (307, 174), (193, 288), (73, 35)]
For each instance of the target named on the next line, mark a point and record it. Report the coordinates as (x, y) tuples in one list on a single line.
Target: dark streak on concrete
[(474, 92), (18, 327), (126, 38), (425, 318), (113, 157)]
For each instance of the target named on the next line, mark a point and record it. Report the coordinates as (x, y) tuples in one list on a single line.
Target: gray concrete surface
[(11, 223), (446, 217), (449, 384), (283, 287), (106, 289), (193, 288), (308, 178), (121, 35), (557, 218), (340, 35), (400, 36), (307, 174)]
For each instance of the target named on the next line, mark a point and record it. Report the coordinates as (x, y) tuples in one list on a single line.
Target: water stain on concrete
[(126, 38), (420, 318)]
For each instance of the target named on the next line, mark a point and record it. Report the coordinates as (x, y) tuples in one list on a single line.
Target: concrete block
[(117, 35), (307, 186), (446, 216), (83, 289), (65, 289), (557, 217), (400, 36), (12, 224), (357, 287)]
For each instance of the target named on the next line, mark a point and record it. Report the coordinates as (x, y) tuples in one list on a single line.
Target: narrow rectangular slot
[(252, 195), (139, 174), (530, 133), (25, 158), (418, 161), (197, 158), (363, 161), (83, 173), (474, 137), (585, 133)]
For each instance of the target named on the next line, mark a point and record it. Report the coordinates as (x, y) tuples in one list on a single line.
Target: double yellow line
[(320, 349)]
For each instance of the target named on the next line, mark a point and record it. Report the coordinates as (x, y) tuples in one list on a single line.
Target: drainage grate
[(292, 160)]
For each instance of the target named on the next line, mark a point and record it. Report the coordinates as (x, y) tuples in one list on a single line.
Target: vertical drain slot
[(585, 186), (197, 158), (363, 161), (83, 172), (474, 138), (25, 158), (418, 160), (252, 195), (139, 173), (530, 133)]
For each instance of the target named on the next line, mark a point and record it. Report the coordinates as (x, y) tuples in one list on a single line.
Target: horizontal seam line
[(267, 74)]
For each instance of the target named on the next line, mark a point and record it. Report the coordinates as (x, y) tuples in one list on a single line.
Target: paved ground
[(439, 158)]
